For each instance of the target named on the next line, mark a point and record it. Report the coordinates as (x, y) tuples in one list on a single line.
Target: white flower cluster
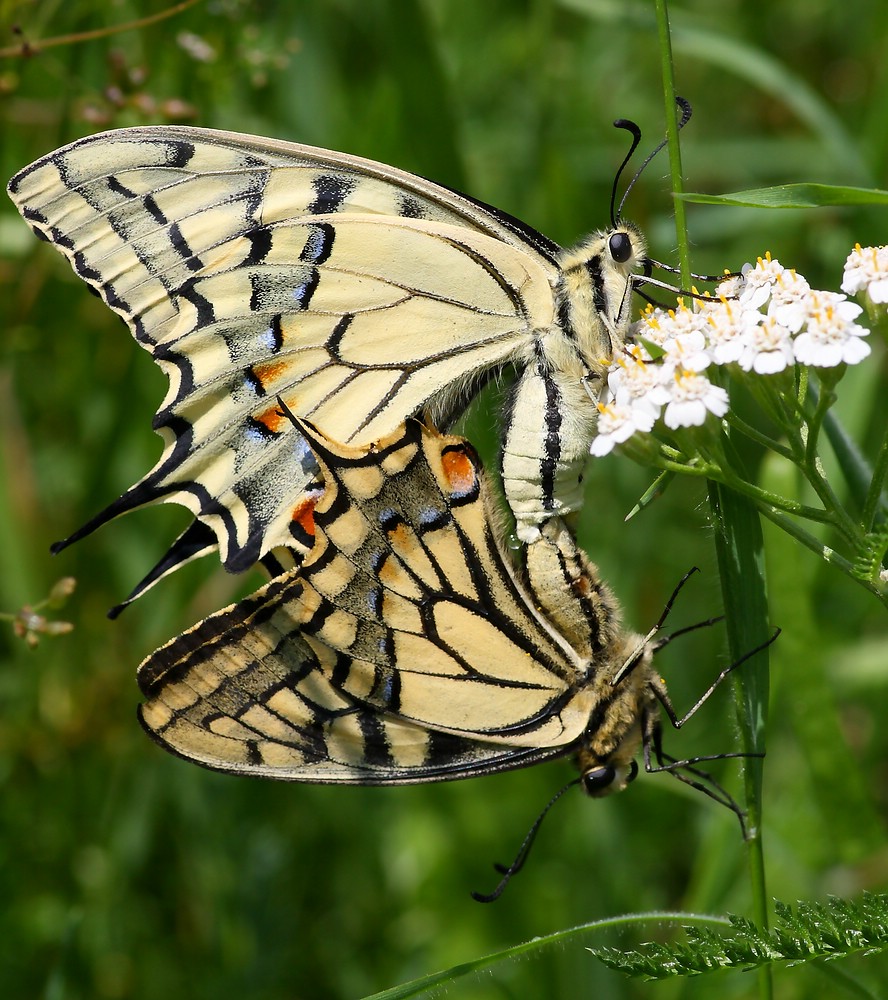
[(866, 270), (764, 321)]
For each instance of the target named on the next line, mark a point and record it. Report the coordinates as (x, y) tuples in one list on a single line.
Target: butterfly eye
[(598, 780), (620, 247)]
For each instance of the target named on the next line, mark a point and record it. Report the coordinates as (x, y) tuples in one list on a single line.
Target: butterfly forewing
[(357, 293), (252, 269)]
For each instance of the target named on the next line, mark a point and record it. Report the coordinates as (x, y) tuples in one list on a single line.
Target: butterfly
[(359, 294), (406, 648)]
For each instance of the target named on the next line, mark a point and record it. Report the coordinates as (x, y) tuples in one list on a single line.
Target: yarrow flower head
[(831, 337), (762, 321), (759, 280), (767, 348), (693, 397), (617, 423), (866, 270), (687, 351)]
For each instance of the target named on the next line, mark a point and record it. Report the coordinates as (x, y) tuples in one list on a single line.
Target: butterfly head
[(606, 758), (620, 250), (595, 296), (608, 778), (624, 721)]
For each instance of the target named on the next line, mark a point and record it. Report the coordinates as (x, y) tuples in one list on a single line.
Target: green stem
[(812, 467), (874, 505), (802, 450), (823, 400), (775, 508), (824, 551), (741, 559), (740, 549), (441, 980), (761, 497), (747, 430), (864, 483), (701, 471), (838, 516), (667, 71)]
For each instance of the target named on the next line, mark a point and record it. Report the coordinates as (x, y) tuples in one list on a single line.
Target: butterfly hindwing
[(404, 649)]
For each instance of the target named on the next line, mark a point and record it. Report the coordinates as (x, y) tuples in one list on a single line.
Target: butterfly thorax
[(552, 413), (594, 296)]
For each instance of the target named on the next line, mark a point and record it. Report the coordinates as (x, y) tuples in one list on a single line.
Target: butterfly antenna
[(686, 112), (688, 628), (507, 871), (635, 131), (636, 656), (729, 669)]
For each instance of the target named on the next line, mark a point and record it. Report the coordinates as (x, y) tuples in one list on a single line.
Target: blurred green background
[(127, 873)]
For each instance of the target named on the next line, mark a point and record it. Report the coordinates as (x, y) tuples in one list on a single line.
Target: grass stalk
[(740, 550)]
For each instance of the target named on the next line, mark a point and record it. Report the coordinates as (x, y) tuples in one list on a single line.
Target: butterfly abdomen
[(549, 422)]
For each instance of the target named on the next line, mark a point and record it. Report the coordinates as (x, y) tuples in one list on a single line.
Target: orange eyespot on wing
[(303, 515), (266, 374), (460, 469), (272, 419)]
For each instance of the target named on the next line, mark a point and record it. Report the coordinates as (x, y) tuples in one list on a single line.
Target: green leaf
[(802, 195), (655, 490), (811, 932), (417, 987)]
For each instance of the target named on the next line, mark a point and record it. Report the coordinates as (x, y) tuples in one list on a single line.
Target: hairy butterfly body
[(359, 294)]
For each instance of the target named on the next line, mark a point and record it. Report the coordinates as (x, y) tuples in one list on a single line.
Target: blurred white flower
[(731, 286), (617, 423), (687, 350), (866, 270), (683, 320), (654, 326), (727, 327), (789, 300), (636, 383), (760, 281), (831, 337)]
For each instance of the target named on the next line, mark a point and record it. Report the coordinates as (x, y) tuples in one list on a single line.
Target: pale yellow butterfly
[(406, 648), (360, 294)]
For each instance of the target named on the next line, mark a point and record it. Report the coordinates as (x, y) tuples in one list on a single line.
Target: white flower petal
[(771, 362), (764, 344), (693, 396), (684, 413), (878, 290)]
